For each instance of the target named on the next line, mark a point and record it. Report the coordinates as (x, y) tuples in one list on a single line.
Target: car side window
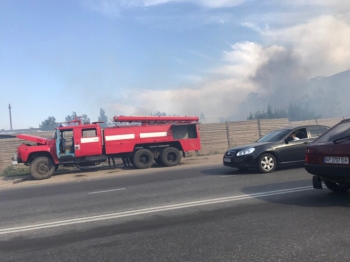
[(301, 133), (316, 131), (297, 134)]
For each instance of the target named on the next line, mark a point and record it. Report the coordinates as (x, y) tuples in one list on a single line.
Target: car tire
[(267, 163), (341, 187), (143, 158)]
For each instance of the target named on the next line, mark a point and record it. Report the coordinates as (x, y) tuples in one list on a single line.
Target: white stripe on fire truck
[(154, 134), (120, 137), (89, 139)]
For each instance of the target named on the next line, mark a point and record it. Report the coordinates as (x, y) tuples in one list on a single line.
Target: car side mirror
[(288, 139)]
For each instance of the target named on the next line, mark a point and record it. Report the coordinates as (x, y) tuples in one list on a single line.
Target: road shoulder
[(76, 175)]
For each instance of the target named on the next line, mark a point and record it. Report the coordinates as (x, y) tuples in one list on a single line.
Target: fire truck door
[(87, 143), (64, 143)]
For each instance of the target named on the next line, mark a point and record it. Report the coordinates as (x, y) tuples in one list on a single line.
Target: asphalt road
[(209, 213)]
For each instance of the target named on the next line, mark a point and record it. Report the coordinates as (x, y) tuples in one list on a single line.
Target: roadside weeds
[(19, 176)]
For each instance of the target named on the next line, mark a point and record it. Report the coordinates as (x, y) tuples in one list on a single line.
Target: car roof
[(345, 120), (297, 127)]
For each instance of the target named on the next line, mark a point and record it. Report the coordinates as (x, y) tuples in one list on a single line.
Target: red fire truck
[(142, 139)]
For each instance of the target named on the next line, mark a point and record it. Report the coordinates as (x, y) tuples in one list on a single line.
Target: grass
[(15, 171)]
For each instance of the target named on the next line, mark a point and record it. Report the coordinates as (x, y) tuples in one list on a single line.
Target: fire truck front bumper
[(15, 159)]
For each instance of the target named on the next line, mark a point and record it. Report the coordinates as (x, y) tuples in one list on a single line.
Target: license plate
[(227, 160), (336, 160), (14, 163)]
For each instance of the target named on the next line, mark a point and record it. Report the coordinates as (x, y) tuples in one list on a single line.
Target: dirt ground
[(77, 175)]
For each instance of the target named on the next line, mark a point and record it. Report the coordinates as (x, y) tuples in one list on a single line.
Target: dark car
[(277, 148), (327, 158)]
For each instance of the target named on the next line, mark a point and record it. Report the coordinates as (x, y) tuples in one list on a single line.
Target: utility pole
[(10, 116)]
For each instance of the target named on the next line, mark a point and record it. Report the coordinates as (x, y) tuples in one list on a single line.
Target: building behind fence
[(216, 138)]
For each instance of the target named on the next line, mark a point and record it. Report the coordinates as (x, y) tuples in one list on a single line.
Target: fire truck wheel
[(42, 168), (171, 156), (143, 158)]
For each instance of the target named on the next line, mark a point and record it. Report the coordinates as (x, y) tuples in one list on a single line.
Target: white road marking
[(150, 210), (105, 191), (154, 134)]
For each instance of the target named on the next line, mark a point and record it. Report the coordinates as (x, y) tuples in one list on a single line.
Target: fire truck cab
[(76, 142)]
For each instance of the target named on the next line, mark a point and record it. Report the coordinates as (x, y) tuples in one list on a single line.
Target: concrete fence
[(215, 137)]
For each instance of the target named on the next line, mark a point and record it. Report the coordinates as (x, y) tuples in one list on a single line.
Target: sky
[(137, 57)]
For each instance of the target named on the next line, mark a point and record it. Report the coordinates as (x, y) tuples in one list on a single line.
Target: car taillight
[(311, 151), (312, 159)]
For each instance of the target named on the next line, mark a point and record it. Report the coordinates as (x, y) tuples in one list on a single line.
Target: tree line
[(50, 123)]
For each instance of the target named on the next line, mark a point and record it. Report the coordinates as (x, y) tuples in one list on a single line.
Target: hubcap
[(267, 163), (43, 168), (171, 157), (144, 159)]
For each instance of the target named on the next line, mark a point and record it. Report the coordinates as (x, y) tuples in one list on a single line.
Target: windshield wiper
[(337, 140)]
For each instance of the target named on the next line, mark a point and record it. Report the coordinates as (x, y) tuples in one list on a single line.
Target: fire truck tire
[(42, 168), (143, 158), (170, 156)]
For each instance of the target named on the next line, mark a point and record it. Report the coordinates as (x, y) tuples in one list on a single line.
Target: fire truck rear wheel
[(171, 156), (42, 168), (143, 158)]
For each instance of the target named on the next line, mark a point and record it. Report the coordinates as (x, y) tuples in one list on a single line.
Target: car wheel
[(267, 163), (338, 187)]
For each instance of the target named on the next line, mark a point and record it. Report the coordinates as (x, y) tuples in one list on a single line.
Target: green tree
[(295, 112), (71, 117), (48, 124), (84, 118), (103, 118)]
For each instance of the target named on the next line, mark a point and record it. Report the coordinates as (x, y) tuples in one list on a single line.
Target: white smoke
[(279, 70)]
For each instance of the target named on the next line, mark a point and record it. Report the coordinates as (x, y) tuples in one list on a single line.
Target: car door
[(293, 151)]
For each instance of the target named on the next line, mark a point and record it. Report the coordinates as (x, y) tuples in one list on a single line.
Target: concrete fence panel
[(243, 132), (268, 125), (213, 138)]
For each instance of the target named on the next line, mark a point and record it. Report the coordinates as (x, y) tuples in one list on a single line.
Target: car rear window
[(316, 131), (337, 132)]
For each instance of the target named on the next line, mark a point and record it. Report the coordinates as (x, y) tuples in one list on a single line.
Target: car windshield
[(274, 136), (338, 132)]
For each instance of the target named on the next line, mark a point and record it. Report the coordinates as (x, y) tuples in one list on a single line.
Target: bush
[(15, 171)]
